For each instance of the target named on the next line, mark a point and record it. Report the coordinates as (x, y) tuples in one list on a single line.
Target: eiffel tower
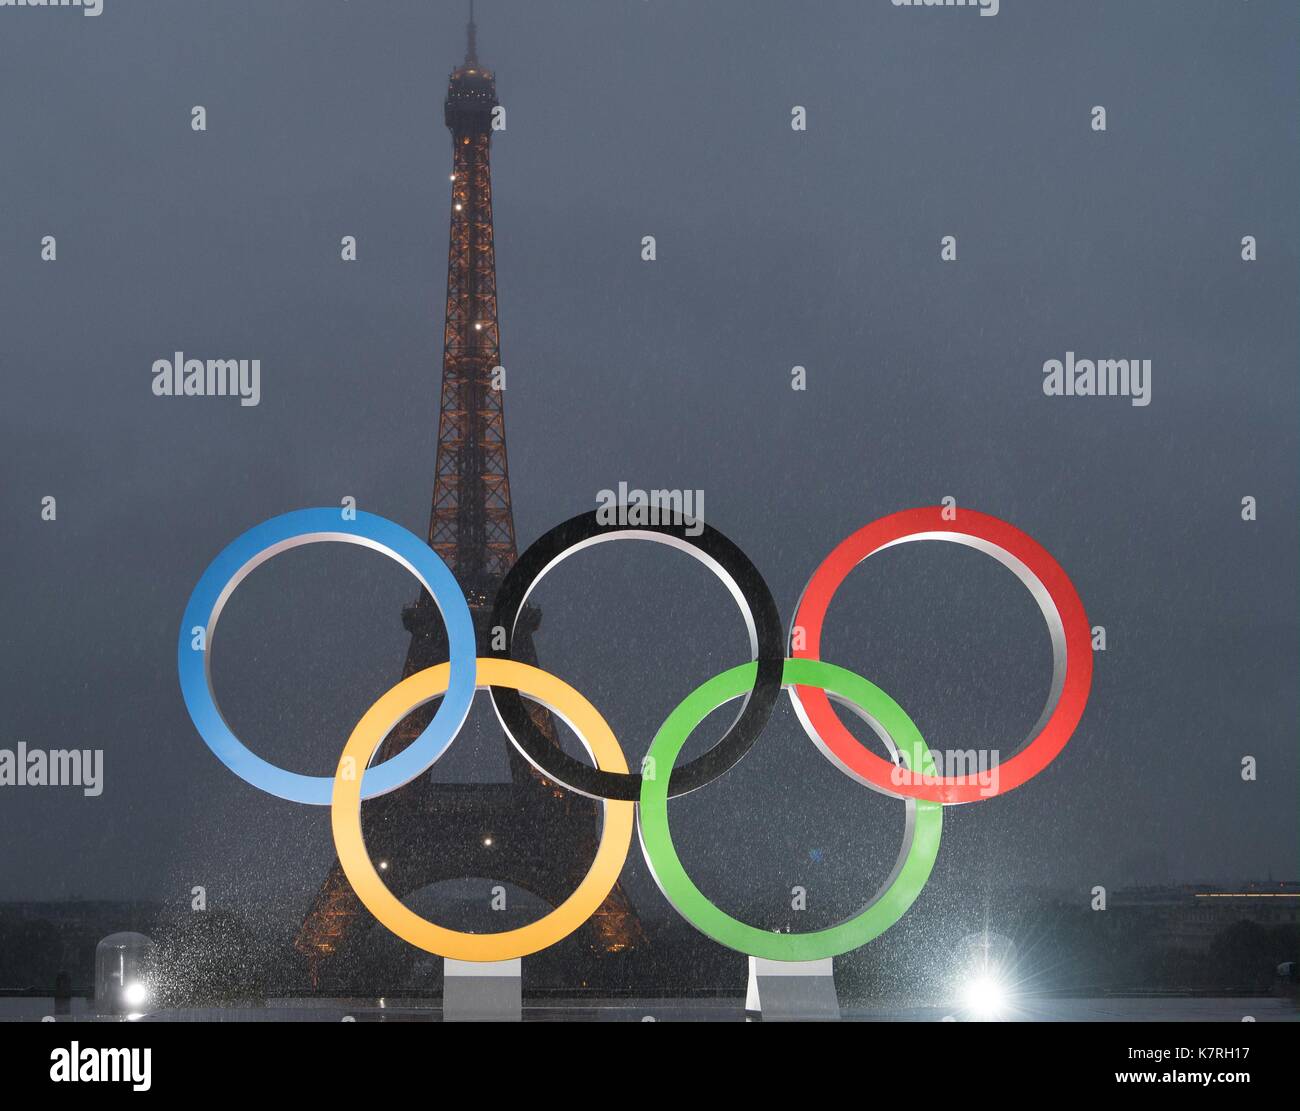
[(529, 831)]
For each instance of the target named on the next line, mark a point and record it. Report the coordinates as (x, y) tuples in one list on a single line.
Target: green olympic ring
[(921, 843)]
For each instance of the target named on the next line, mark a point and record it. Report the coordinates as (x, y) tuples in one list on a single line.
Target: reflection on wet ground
[(1181, 1009)]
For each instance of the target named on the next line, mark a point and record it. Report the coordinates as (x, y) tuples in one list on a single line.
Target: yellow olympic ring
[(345, 814)]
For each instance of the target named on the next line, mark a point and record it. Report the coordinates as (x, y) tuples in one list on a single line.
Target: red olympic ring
[(1031, 562)]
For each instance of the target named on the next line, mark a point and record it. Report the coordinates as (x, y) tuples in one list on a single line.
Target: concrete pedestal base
[(474, 991), (792, 991)]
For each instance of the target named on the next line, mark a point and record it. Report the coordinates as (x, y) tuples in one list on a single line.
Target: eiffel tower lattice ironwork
[(542, 837)]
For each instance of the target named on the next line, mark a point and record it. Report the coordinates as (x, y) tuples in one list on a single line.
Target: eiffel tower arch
[(527, 831)]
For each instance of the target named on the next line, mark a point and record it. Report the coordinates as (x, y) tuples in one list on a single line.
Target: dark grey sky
[(668, 118)]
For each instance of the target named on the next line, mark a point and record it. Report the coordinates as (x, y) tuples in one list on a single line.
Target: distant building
[(1190, 916)]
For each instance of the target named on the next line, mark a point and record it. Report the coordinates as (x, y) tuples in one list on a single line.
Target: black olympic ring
[(738, 574)]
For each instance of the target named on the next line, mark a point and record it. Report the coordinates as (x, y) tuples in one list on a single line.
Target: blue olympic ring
[(256, 546)]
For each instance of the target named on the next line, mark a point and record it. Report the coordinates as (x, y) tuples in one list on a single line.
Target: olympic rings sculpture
[(791, 662)]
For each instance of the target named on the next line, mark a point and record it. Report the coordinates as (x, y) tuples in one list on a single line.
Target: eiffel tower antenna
[(471, 50)]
